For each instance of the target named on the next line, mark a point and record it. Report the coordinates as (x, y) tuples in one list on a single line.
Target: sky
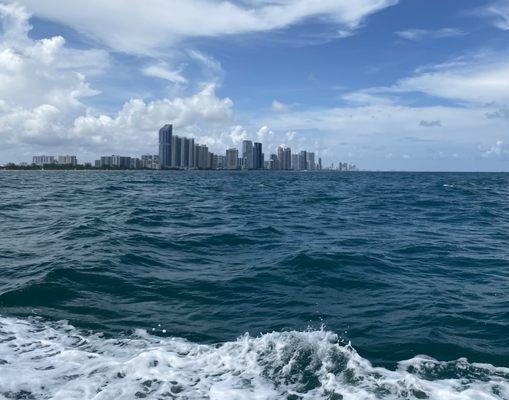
[(384, 84)]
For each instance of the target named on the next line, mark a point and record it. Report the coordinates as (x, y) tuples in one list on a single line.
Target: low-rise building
[(43, 160)]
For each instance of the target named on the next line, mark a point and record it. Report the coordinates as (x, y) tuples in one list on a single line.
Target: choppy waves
[(54, 360)]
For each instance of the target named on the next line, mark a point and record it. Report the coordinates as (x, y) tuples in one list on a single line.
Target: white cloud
[(41, 94), (421, 34), (499, 13), (479, 80), (40, 91), (499, 150), (278, 106), (477, 83), (238, 134), (290, 135), (137, 122), (265, 134), (149, 26), (162, 71)]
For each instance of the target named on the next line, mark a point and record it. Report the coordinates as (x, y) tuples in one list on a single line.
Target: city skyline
[(177, 152)]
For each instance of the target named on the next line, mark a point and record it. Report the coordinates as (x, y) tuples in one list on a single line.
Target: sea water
[(253, 285)]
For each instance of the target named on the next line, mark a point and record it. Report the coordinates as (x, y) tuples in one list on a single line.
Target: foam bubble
[(54, 360)]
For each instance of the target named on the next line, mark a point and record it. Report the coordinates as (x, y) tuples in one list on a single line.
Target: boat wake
[(47, 360)]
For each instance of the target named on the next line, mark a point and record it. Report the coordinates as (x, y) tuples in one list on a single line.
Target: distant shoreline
[(163, 170), (2, 169)]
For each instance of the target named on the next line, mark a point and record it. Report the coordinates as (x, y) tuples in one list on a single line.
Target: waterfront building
[(191, 154), (176, 151), (319, 163), (135, 163), (303, 164), (210, 160), (120, 162), (68, 160), (274, 161), (258, 157), (202, 154), (247, 154), (296, 162), (285, 157), (165, 146), (106, 162), (43, 160), (150, 161), (269, 164), (184, 153), (219, 162), (232, 159), (310, 161)]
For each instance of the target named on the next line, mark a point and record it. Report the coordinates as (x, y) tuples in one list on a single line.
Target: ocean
[(254, 285)]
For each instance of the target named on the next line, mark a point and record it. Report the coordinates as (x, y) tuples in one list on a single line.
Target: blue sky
[(385, 84)]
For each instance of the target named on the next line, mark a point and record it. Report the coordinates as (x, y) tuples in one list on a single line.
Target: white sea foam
[(56, 361)]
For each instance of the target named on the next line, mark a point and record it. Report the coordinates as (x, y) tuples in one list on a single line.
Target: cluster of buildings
[(176, 152), (343, 167), (182, 153), (67, 160)]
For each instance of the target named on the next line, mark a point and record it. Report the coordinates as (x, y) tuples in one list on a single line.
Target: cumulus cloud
[(498, 150), (41, 88), (265, 134), (138, 121), (42, 92), (151, 25), (421, 34), (238, 134)]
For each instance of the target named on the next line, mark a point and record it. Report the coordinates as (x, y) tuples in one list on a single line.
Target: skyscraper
[(176, 151), (311, 161), (303, 160), (165, 134), (192, 154), (295, 162), (284, 154), (257, 156), (184, 153), (247, 154), (201, 152), (275, 162)]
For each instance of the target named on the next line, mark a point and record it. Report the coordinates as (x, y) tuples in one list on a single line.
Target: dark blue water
[(173, 267)]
